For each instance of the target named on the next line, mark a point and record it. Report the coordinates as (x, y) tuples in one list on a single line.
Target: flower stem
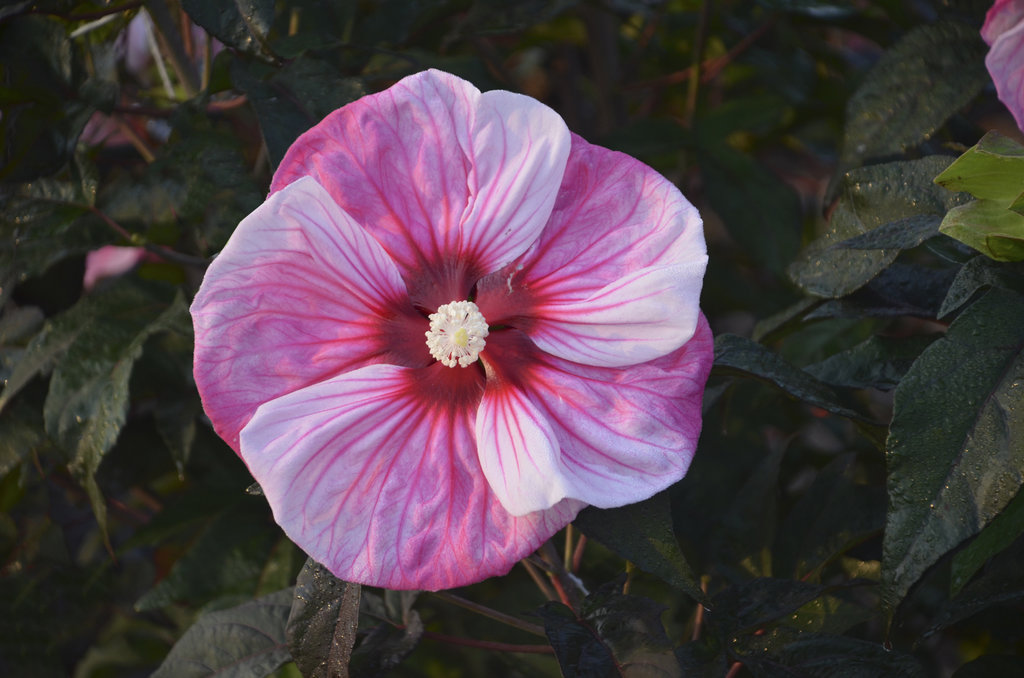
[(491, 613), (535, 575)]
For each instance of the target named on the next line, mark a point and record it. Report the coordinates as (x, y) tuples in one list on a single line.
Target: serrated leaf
[(930, 74), (879, 362), (870, 198), (993, 169), (642, 533), (241, 642), (614, 635), (988, 227), (739, 356), (322, 623), (997, 536), (955, 457)]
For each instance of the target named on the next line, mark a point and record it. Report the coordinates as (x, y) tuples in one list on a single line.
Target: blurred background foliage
[(853, 507)]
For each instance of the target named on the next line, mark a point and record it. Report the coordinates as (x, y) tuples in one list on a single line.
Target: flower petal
[(623, 434), (518, 451), (1002, 16), (453, 183), (298, 294), (1005, 63), (377, 479), (615, 278)]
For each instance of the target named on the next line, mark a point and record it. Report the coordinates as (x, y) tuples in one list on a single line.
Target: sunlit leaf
[(954, 453), (988, 227), (993, 169), (244, 641)]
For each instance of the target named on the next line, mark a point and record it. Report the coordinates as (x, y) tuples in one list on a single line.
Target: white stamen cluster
[(456, 334)]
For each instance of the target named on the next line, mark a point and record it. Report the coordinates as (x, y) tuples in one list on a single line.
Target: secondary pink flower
[(1004, 32), (110, 261), (451, 326)]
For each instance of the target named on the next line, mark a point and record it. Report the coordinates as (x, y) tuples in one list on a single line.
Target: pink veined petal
[(518, 451), (1005, 63), (623, 434), (1000, 18), (299, 293), (615, 278), (453, 183), (375, 477)]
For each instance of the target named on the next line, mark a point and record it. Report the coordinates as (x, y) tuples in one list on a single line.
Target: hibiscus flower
[(1004, 32), (451, 326)]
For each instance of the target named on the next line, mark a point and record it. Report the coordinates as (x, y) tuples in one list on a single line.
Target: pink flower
[(451, 326), (110, 261), (1004, 32)]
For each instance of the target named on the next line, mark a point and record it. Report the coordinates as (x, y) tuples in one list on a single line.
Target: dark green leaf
[(241, 642), (242, 24), (834, 514), (817, 655), (614, 635), (930, 74), (291, 100), (819, 9), (226, 558), (954, 453), (902, 234), (901, 289), (321, 627), (751, 606), (979, 273), (738, 356), (997, 535), (771, 233), (992, 665), (45, 97), (388, 643), (642, 533), (21, 434), (870, 198), (879, 362)]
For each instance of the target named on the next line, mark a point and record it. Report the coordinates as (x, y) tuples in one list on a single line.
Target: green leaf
[(902, 234), (979, 273), (879, 362), (241, 642), (749, 607), (614, 635), (734, 181), (642, 533), (997, 536), (735, 355), (292, 99), (834, 514), (992, 665), (226, 559), (993, 169), (883, 197), (819, 655), (988, 227), (21, 434), (955, 458), (242, 24), (45, 97), (322, 623), (930, 74)]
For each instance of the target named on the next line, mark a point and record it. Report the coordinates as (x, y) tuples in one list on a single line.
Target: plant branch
[(489, 645), (535, 629)]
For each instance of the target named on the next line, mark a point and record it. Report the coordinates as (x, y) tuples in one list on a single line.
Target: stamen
[(457, 333)]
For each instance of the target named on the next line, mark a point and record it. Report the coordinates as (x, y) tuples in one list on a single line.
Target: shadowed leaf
[(321, 627)]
